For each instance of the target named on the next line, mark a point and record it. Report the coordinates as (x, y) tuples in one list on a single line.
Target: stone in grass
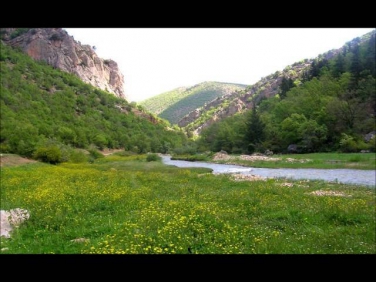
[(12, 219), (80, 240)]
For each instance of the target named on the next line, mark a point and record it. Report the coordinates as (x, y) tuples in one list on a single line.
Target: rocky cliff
[(58, 49)]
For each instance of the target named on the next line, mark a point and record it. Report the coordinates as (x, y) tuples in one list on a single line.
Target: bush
[(78, 157), (349, 144), (55, 37), (185, 150), (4, 148), (50, 154), (153, 157), (95, 154), (190, 158), (371, 145), (125, 153)]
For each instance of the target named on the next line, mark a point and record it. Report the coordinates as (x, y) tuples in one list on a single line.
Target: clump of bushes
[(350, 144), (49, 154), (94, 153), (190, 149), (153, 157), (54, 152), (55, 37), (125, 153), (77, 156)]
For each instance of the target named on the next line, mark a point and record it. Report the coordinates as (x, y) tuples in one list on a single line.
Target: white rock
[(10, 219)]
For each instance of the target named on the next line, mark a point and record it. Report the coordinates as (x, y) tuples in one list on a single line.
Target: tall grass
[(127, 205)]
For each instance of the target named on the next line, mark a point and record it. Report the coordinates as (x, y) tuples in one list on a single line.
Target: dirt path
[(12, 160)]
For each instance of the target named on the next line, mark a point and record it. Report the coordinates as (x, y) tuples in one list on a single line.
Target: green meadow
[(137, 205), (333, 160)]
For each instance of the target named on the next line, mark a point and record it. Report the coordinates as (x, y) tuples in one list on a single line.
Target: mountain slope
[(41, 103), (55, 47), (327, 106), (175, 104), (267, 87)]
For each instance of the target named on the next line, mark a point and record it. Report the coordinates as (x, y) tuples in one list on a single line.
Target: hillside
[(274, 84), (175, 104), (57, 48), (319, 105), (42, 106)]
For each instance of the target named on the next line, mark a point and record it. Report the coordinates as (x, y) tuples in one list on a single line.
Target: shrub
[(347, 144), (18, 32), (371, 145), (50, 154), (153, 157), (55, 37), (78, 157), (95, 154), (125, 153), (4, 148), (185, 150)]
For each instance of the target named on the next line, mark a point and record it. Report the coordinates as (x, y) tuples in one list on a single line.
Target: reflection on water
[(348, 176)]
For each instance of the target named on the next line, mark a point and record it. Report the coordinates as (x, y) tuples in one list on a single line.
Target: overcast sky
[(156, 60)]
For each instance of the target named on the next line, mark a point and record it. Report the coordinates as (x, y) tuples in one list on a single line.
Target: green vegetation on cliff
[(43, 108)]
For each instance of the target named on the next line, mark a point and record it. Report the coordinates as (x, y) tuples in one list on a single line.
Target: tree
[(316, 67), (355, 68), (339, 65), (100, 141), (225, 137), (255, 134), (370, 55), (286, 85), (312, 135), (290, 128)]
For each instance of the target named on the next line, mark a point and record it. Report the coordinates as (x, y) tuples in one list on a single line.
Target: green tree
[(371, 56), (312, 135), (224, 138), (355, 68), (286, 85), (255, 129), (339, 65), (100, 141), (290, 128)]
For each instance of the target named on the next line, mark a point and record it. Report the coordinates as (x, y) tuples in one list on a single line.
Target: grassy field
[(127, 205), (316, 160)]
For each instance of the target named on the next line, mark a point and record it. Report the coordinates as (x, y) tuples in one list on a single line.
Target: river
[(345, 176)]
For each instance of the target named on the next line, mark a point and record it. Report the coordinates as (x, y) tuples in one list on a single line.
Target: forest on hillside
[(47, 111), (174, 105), (332, 108)]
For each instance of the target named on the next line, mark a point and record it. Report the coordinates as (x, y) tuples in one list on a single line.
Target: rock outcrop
[(58, 49), (12, 219)]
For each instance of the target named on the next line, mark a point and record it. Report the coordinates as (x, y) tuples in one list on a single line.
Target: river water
[(345, 176)]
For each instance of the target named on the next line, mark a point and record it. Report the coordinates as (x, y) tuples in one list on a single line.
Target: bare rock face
[(58, 49)]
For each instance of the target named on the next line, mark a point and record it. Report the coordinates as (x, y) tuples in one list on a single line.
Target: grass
[(127, 205), (365, 161)]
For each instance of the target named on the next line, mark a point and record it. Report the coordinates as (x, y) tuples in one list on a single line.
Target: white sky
[(156, 60)]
